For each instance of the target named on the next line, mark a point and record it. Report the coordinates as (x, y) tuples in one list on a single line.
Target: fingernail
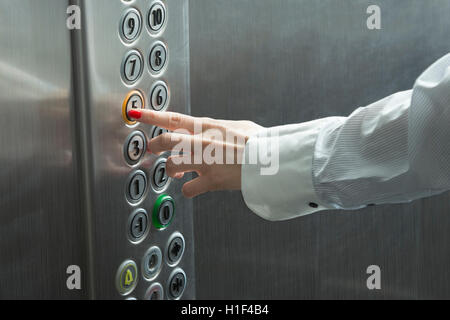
[(135, 114)]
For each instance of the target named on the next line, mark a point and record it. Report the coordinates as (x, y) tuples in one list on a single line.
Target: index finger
[(168, 120)]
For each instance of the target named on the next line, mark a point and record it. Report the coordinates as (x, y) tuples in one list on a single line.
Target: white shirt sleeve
[(395, 150)]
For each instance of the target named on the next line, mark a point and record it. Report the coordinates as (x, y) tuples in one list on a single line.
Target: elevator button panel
[(132, 66), (158, 57), (130, 25), (163, 211), (177, 284), (146, 82), (127, 277), (134, 100), (135, 147), (156, 17)]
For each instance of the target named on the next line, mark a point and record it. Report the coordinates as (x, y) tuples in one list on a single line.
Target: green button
[(163, 211)]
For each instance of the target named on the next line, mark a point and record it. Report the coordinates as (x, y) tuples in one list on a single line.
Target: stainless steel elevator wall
[(41, 224), (279, 62)]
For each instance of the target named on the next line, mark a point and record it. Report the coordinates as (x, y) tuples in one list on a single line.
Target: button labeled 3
[(156, 17), (159, 96), (158, 57), (132, 67), (163, 211), (135, 147), (126, 277), (134, 100), (130, 25)]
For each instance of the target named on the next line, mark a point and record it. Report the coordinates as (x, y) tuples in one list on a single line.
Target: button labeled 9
[(130, 25)]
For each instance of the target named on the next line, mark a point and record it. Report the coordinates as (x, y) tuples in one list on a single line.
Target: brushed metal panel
[(102, 52), (293, 61), (41, 224)]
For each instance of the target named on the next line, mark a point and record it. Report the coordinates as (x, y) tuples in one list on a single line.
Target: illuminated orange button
[(134, 100)]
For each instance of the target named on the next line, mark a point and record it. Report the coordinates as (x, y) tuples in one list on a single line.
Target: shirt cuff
[(277, 175)]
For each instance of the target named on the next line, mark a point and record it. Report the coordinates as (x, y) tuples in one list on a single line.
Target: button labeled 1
[(132, 66), (130, 25), (163, 211), (158, 57), (135, 147), (156, 17), (136, 187), (126, 277), (159, 96), (134, 100)]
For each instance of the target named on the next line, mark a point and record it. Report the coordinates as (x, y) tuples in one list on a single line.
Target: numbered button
[(163, 212), (132, 66), (158, 57), (130, 25), (156, 17), (136, 187), (152, 262), (126, 277), (138, 225), (134, 100), (177, 284), (135, 147), (160, 179), (155, 292), (159, 96), (157, 131)]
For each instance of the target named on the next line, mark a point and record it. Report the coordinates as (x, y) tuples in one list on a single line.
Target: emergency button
[(134, 100), (126, 277)]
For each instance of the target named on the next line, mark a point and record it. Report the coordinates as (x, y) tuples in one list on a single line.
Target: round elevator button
[(135, 147), (136, 187), (138, 225), (163, 211), (175, 248), (132, 66), (151, 263), (160, 180), (156, 17), (157, 131), (158, 57), (155, 292), (126, 277), (130, 25), (134, 100), (159, 96), (177, 284)]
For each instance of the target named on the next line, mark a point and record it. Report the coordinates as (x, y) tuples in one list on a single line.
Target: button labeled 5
[(134, 100)]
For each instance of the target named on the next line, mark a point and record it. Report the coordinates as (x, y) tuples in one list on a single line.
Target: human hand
[(211, 148)]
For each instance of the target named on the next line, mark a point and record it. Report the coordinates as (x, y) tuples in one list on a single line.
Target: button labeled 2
[(160, 180), (126, 277), (134, 100)]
